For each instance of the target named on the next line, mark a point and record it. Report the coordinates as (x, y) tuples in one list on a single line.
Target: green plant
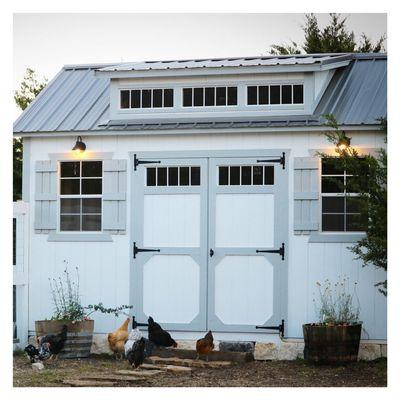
[(336, 303), (67, 302)]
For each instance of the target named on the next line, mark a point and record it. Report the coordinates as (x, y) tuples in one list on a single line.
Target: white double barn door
[(200, 229)]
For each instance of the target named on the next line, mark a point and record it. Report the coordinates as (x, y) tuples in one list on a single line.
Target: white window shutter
[(306, 195), (114, 196), (45, 196)]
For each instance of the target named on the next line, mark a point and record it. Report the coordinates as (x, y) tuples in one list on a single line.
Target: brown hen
[(117, 339), (205, 346)]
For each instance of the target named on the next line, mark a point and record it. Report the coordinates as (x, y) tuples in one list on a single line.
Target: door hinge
[(211, 252), (280, 251), (280, 328), (135, 324), (142, 250), (281, 160), (137, 162)]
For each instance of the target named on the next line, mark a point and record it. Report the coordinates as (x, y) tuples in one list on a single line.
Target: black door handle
[(142, 250), (211, 252), (280, 251)]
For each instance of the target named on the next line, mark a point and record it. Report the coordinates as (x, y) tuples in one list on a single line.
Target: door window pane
[(70, 206), (223, 175), (91, 186), (70, 223), (187, 97), (70, 169), (135, 98), (168, 97), (162, 176), (269, 175), (195, 176), (275, 94), (146, 98), (210, 96), (263, 95), (257, 175), (91, 206), (151, 177), (286, 94), (251, 95), (184, 176), (124, 98), (92, 168), (173, 176), (232, 96), (69, 186), (91, 222), (246, 175), (234, 176), (221, 96), (157, 98)]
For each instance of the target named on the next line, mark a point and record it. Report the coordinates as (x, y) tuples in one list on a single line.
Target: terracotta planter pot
[(79, 336), (337, 344)]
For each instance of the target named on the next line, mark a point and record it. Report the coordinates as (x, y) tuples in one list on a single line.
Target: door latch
[(280, 251), (142, 250)]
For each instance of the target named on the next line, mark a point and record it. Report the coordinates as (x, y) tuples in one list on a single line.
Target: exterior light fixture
[(79, 147), (343, 143)]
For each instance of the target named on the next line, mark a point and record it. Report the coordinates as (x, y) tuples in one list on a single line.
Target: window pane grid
[(147, 98), (173, 176), (275, 94), (246, 175), (210, 96)]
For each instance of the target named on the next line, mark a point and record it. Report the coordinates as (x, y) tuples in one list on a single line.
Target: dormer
[(220, 88)]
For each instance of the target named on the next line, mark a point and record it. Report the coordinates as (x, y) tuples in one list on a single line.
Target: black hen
[(158, 336), (136, 354), (51, 345), (32, 352)]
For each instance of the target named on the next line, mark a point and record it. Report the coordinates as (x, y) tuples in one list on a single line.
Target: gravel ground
[(254, 374)]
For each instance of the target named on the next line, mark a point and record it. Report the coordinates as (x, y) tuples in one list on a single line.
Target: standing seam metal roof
[(77, 100)]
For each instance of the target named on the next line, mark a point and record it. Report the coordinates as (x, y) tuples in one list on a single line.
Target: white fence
[(20, 273)]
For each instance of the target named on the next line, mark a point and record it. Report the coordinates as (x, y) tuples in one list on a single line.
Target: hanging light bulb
[(343, 143), (80, 146)]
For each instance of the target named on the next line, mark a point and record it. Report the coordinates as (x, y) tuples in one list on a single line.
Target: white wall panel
[(172, 220), (244, 220), (244, 290)]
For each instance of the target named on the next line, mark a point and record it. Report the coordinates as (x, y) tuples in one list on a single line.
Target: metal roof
[(300, 59), (77, 100)]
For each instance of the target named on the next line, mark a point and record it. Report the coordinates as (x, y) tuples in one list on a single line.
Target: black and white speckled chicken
[(32, 353), (136, 354), (51, 344)]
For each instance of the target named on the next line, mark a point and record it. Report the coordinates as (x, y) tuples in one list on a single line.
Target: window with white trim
[(209, 96), (146, 98), (275, 94), (341, 204), (80, 191)]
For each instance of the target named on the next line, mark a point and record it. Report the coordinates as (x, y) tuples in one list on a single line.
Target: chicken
[(205, 346), (158, 336), (51, 344), (134, 336), (32, 353), (117, 339), (136, 354)]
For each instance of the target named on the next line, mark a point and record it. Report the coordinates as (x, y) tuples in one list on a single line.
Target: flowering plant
[(336, 304), (67, 303)]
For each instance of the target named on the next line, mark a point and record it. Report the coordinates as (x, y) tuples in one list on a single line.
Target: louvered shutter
[(306, 195), (45, 196), (114, 196)]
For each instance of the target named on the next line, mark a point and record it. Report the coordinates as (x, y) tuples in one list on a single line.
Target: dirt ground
[(252, 374)]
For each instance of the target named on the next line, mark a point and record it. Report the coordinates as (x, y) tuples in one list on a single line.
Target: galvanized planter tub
[(79, 336), (337, 344)]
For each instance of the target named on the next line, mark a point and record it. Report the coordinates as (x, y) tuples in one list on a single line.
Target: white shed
[(199, 197)]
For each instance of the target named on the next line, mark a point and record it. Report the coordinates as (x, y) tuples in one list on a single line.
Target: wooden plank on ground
[(114, 378), (88, 383), (171, 368), (143, 373), (189, 362)]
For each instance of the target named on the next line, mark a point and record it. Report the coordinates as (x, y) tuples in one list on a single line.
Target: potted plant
[(335, 338), (69, 311)]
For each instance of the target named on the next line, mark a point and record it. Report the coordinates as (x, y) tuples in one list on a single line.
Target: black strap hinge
[(281, 160), (137, 162), (142, 250), (280, 328), (280, 251)]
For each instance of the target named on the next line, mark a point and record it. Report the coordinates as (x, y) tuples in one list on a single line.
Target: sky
[(45, 42)]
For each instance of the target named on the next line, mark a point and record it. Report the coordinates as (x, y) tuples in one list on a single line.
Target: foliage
[(67, 303), (370, 181), (334, 38), (29, 89), (336, 303)]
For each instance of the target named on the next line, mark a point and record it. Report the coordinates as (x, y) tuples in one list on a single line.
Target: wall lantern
[(79, 147), (343, 143)]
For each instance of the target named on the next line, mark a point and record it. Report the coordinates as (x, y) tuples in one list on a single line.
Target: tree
[(370, 181), (334, 38), (29, 89)]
